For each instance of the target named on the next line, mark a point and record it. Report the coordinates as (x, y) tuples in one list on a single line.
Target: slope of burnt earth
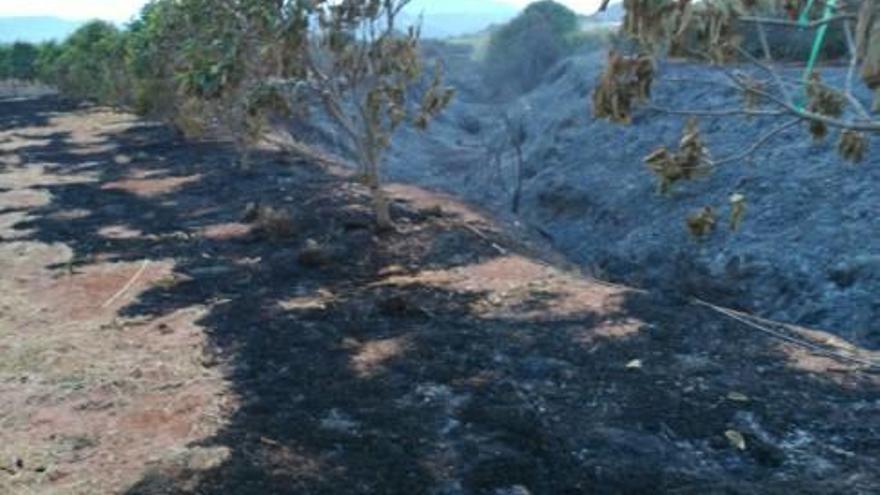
[(160, 337)]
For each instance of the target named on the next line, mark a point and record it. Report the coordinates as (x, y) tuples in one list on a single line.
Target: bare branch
[(762, 34), (770, 70), (868, 126), (786, 103), (757, 144), (718, 113), (330, 96), (694, 80), (850, 75), (853, 56), (299, 148)]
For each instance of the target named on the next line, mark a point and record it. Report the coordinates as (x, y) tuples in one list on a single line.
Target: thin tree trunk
[(381, 206), (245, 165), (517, 190)]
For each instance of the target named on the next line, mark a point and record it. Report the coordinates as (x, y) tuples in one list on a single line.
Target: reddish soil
[(154, 342)]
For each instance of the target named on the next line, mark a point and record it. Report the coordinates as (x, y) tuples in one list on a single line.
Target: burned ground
[(801, 254), (453, 356)]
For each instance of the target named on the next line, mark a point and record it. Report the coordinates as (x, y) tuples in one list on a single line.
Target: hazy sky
[(121, 10)]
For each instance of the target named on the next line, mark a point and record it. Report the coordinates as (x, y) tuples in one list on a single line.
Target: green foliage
[(230, 66), (558, 17), (5, 68), (151, 54), (46, 60), (591, 40), (90, 65), (357, 58), (26, 61), (22, 61), (520, 52), (19, 61)]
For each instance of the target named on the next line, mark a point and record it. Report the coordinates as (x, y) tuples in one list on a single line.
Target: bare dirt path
[(89, 396), (152, 342)]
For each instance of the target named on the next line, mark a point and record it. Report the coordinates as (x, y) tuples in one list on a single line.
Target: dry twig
[(128, 285)]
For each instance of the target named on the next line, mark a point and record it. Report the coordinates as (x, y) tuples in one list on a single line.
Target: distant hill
[(444, 19), (454, 18), (457, 17), (35, 29)]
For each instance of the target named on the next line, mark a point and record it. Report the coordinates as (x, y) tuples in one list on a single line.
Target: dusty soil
[(154, 342)]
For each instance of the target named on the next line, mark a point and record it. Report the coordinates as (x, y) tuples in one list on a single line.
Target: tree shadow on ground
[(348, 383), (30, 112)]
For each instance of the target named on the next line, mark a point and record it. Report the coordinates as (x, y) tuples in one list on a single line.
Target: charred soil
[(154, 340)]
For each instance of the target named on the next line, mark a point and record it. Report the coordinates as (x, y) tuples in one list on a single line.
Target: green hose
[(805, 14), (820, 36)]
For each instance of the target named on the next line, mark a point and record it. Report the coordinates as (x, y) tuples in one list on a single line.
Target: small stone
[(635, 364), (434, 211), (210, 357), (313, 255), (338, 422), (275, 223), (541, 368), (396, 305), (513, 490), (251, 211), (122, 159), (204, 458), (392, 270)]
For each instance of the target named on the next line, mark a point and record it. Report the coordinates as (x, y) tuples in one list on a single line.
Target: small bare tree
[(365, 73), (261, 59), (515, 130)]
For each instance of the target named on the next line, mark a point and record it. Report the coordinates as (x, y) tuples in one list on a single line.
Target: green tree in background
[(230, 67), (91, 65), (154, 56), (521, 51), (23, 61), (49, 53), (5, 68)]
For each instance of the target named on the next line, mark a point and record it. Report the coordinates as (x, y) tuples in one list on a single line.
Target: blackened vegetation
[(464, 404)]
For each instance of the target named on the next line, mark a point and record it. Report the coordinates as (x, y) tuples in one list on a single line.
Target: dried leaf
[(703, 223), (737, 211), (823, 99), (635, 364), (736, 439), (738, 397), (626, 80), (852, 145), (692, 160)]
